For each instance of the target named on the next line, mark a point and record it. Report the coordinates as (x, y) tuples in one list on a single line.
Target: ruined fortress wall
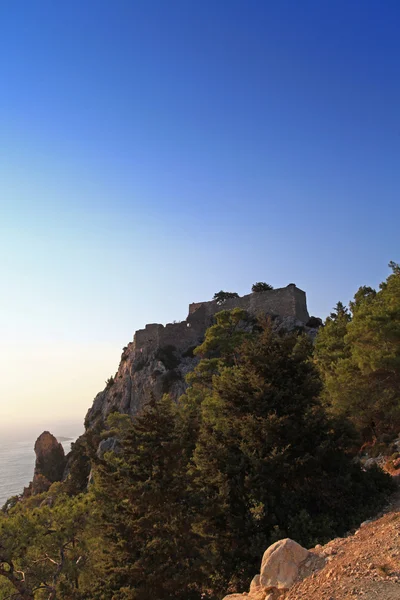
[(300, 301), (147, 338), (182, 335), (285, 302)]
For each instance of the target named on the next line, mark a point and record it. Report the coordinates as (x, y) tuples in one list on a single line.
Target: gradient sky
[(153, 152)]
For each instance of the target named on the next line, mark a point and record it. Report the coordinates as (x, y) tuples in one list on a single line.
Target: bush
[(221, 296), (261, 286), (314, 322)]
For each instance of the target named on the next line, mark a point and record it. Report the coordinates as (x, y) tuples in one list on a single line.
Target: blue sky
[(155, 152)]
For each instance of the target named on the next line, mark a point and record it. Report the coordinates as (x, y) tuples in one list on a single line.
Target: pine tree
[(330, 344), (359, 359), (146, 512)]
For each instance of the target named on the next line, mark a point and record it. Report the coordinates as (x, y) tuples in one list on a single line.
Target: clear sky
[(154, 152)]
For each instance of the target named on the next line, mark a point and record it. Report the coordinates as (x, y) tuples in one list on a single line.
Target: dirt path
[(364, 565)]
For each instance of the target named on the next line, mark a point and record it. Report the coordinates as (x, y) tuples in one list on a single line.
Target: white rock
[(255, 584), (280, 564)]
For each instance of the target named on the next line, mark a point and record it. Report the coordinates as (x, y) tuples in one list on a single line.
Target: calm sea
[(17, 461)]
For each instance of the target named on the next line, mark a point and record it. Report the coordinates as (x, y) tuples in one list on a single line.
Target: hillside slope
[(364, 565)]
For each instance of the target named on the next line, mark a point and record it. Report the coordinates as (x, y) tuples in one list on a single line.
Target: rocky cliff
[(159, 357)]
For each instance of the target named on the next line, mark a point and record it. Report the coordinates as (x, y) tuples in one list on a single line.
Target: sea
[(17, 457)]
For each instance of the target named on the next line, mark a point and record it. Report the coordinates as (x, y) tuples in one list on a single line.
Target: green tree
[(223, 338), (42, 550), (261, 286), (145, 512), (359, 359), (330, 346), (221, 296), (268, 462)]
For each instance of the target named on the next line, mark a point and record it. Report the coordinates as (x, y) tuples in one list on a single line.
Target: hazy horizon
[(29, 432)]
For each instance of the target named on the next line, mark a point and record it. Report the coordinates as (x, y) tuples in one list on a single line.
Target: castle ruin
[(143, 369), (289, 301)]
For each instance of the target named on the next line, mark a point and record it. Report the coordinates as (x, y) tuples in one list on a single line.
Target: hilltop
[(159, 357)]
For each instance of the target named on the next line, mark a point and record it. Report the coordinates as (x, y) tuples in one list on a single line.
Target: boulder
[(256, 592), (280, 564), (255, 584)]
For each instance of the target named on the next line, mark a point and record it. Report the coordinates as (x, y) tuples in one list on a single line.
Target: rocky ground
[(363, 565)]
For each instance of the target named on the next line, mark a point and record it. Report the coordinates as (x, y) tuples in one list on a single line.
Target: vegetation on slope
[(260, 447), (358, 356)]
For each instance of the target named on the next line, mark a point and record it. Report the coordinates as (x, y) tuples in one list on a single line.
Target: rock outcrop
[(364, 564), (279, 570), (110, 444), (159, 357), (49, 466), (280, 564)]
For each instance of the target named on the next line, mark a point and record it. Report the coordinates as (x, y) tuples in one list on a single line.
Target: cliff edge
[(159, 357)]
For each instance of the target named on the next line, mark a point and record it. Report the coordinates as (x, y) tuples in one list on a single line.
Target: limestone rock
[(50, 457), (280, 564), (110, 444), (49, 466), (255, 584), (256, 591)]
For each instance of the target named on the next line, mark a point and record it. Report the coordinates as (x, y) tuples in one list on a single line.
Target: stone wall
[(181, 335), (285, 302), (144, 371)]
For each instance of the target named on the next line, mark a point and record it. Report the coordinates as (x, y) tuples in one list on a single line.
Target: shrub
[(261, 286), (221, 296)]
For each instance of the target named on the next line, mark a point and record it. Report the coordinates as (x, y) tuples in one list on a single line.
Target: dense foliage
[(260, 447), (268, 462), (358, 356), (221, 296), (261, 286)]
